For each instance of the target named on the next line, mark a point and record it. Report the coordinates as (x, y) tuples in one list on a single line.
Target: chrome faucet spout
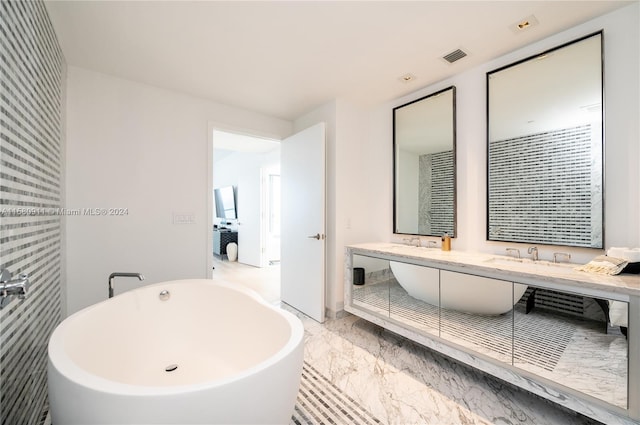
[(9, 286), (121, 274), (533, 250)]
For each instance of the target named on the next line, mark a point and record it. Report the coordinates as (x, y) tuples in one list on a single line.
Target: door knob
[(316, 236)]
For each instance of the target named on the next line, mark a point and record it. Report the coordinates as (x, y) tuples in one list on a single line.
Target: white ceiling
[(285, 58), (225, 144), (242, 143)]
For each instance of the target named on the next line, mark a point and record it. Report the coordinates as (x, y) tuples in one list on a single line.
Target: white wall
[(622, 136), (146, 149), (358, 201), (228, 170)]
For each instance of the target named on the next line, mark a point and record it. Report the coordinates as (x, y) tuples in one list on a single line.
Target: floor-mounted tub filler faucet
[(121, 274), (9, 286), (533, 250)]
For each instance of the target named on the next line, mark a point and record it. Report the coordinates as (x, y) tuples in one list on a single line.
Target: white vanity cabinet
[(540, 327)]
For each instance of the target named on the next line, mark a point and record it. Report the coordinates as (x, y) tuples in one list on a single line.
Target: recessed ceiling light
[(524, 24), (407, 78)]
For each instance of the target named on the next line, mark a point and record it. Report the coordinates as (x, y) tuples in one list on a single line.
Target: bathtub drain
[(171, 368)]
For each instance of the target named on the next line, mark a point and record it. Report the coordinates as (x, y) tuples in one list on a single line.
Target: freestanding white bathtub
[(457, 291), (210, 353)]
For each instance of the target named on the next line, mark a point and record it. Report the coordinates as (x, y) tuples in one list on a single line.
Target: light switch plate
[(184, 218)]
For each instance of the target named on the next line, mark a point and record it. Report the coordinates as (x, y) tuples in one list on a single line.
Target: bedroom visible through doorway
[(251, 167)]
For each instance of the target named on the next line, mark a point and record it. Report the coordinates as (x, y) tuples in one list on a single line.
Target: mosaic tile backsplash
[(547, 188), (32, 73), (436, 187)]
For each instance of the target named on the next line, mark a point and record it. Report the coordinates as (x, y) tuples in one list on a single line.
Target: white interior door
[(250, 240), (302, 255)]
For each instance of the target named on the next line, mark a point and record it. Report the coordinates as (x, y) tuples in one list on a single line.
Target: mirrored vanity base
[(546, 346), (571, 358)]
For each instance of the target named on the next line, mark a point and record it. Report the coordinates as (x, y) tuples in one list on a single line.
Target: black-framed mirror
[(424, 165), (545, 142)]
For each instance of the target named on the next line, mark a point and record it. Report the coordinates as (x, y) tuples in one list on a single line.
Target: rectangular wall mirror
[(424, 165), (545, 144)]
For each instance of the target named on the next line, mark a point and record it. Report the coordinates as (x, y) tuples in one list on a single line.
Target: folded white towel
[(604, 264), (616, 251), (632, 255)]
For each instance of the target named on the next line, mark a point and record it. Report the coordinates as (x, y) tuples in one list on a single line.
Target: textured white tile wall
[(32, 73)]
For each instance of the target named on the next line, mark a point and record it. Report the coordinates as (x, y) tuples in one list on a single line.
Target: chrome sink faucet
[(561, 254), (119, 274), (410, 240), (533, 250), (514, 251), (9, 286)]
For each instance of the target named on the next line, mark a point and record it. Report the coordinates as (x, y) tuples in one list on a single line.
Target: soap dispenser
[(446, 242)]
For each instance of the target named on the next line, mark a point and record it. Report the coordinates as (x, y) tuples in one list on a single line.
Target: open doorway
[(248, 168), (302, 207)]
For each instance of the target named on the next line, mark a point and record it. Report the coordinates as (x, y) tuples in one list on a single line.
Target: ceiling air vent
[(454, 56)]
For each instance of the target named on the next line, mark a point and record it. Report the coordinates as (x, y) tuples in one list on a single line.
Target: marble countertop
[(508, 268)]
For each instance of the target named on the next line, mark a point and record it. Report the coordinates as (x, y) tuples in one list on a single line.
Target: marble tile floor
[(400, 382), (396, 381), (264, 280)]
